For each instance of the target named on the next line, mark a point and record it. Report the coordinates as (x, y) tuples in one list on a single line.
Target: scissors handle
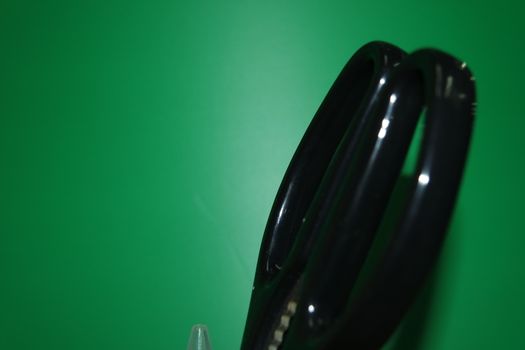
[(290, 232), (335, 193), (443, 87)]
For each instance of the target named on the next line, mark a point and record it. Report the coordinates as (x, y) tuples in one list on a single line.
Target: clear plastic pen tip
[(199, 338)]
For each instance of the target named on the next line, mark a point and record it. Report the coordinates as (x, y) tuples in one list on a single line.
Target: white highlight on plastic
[(311, 308), (423, 179), (384, 125), (393, 98), (382, 81)]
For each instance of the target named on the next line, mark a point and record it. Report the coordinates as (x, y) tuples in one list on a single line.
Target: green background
[(142, 144)]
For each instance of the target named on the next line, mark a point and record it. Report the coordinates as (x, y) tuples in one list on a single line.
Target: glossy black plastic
[(335, 193)]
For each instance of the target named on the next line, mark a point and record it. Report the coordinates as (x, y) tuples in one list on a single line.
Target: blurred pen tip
[(199, 338)]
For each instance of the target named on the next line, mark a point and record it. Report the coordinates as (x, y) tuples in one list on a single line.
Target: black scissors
[(309, 291)]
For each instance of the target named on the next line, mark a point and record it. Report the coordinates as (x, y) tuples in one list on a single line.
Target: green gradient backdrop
[(141, 146)]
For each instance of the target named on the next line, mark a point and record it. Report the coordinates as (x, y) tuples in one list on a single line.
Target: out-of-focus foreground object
[(199, 338)]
